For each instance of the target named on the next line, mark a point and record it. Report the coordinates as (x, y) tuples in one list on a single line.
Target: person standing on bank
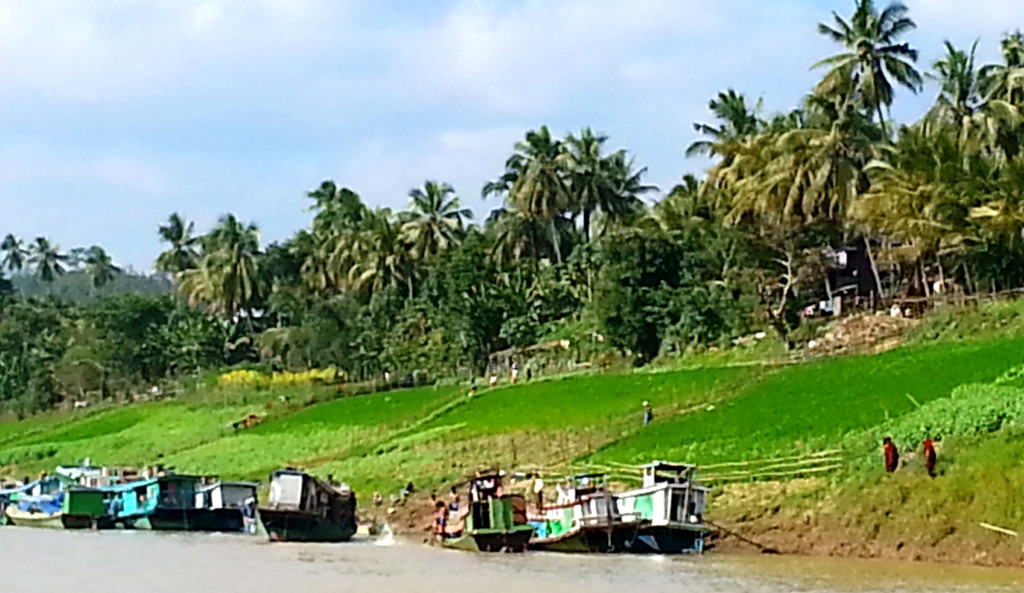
[(892, 456), (648, 413), (929, 457)]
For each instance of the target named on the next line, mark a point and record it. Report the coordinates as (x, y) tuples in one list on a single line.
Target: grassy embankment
[(708, 415)]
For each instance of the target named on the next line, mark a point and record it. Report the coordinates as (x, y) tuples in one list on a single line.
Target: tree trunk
[(969, 279), (555, 242), (881, 122), (874, 268), (586, 224)]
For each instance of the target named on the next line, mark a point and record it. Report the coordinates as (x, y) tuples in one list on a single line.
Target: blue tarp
[(45, 504), (25, 488)]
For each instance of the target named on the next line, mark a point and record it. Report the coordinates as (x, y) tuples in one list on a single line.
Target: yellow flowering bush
[(250, 378)]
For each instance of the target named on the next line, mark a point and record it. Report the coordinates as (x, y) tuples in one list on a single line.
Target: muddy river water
[(80, 562)]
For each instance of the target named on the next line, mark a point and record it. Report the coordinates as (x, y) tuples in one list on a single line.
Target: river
[(82, 562)]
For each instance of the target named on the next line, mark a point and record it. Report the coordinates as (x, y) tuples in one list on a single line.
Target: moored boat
[(129, 504), (668, 508), (492, 521), (585, 518), (43, 510), (304, 509), (83, 508), (226, 506)]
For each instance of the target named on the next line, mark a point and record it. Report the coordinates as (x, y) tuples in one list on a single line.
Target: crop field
[(809, 407), (590, 400), (433, 435)]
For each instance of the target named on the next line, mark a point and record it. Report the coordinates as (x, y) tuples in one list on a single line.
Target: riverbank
[(956, 376)]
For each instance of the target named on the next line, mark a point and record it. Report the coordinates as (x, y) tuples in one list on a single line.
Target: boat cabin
[(660, 472), (490, 508), (226, 495), (668, 495), (294, 490)]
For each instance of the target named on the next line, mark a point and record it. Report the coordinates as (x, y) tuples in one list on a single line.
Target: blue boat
[(175, 502)]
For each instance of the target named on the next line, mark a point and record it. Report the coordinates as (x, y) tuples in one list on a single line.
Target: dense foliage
[(573, 255)]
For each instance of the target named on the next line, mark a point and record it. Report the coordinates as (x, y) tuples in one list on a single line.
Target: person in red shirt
[(929, 457), (892, 456)]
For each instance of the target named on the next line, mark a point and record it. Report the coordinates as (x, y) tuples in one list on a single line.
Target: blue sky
[(115, 113)]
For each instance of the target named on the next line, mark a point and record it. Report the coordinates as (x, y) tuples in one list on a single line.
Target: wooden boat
[(226, 506), (189, 503), (129, 504), (83, 508), (585, 519), (9, 496), (304, 509), (492, 521), (36, 511), (669, 510)]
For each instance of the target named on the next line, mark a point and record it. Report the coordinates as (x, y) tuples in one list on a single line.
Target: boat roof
[(240, 483), (19, 489), (218, 484), (115, 488), (288, 472), (668, 466)]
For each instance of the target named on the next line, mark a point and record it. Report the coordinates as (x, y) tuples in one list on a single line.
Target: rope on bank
[(764, 549)]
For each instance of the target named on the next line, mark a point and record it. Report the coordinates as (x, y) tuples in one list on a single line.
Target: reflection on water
[(83, 562)]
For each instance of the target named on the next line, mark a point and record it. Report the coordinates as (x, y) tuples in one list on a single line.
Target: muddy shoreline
[(771, 530)]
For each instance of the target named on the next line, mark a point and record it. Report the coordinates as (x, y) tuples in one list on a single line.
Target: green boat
[(492, 521), (304, 509), (83, 508), (585, 519), (668, 509)]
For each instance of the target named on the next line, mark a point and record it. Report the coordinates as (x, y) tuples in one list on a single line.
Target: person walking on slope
[(648, 413), (892, 456), (929, 457)]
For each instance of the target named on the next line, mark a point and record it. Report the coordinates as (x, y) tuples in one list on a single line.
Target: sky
[(116, 113)]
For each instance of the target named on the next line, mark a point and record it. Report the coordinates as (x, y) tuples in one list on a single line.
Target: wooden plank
[(998, 529)]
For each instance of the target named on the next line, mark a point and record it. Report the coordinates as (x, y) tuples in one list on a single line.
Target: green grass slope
[(433, 436)]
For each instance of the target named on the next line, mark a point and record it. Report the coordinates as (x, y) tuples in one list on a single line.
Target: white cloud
[(517, 57), (110, 107), (384, 169)]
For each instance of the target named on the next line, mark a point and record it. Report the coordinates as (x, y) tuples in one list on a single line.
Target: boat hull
[(504, 541), (299, 526), (216, 520), (668, 540), (75, 521), (43, 520), (589, 541)]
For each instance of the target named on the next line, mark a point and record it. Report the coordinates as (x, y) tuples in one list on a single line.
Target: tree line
[(575, 253)]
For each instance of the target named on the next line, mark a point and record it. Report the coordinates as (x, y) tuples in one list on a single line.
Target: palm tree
[(863, 75), (626, 188), (597, 183), (336, 207), (381, 255), (434, 219), (182, 254), (959, 87), (534, 182), (99, 266), (589, 184), (47, 259), (1006, 81), (736, 122), (15, 254), (228, 277)]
